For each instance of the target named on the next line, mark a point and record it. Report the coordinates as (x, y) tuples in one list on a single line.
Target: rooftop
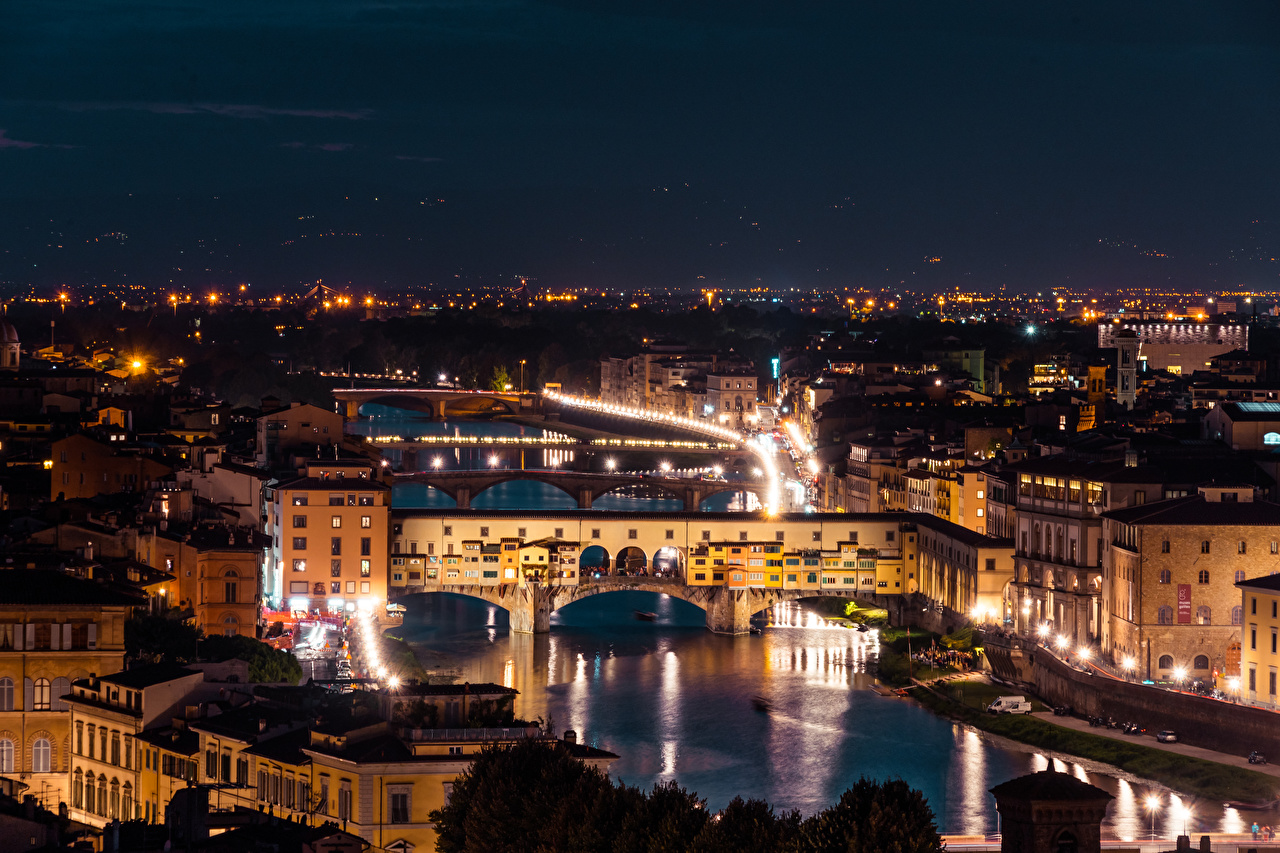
[(1048, 785), (39, 586), (1195, 510)]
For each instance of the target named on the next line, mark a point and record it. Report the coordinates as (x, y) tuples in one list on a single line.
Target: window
[(335, 568), (671, 534), (6, 756), (1235, 615), (399, 806), (40, 695), (366, 546), (299, 565), (335, 546), (230, 594), (632, 534), (1164, 616), (1203, 576), (365, 568), (1165, 662), (1204, 547), (299, 521), (366, 521), (1239, 575), (6, 694), (1241, 547), (299, 500), (344, 802), (1164, 547), (61, 687), (742, 536), (1204, 616), (1253, 637), (41, 753), (299, 543), (335, 521), (1164, 576), (484, 533), (991, 564)]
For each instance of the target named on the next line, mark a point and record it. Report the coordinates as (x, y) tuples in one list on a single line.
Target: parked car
[(1167, 736)]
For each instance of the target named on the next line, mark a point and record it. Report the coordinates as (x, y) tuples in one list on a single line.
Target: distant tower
[(8, 346), (1126, 368)]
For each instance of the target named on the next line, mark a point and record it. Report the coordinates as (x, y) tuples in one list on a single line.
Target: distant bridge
[(442, 402), (530, 606), (552, 442), (463, 486)]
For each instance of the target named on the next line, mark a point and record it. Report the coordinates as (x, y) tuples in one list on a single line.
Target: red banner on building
[(1184, 603)]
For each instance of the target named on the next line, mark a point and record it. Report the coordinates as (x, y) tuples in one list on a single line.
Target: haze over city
[(643, 145)]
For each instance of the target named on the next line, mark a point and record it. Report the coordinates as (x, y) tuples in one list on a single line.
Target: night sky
[(668, 144)]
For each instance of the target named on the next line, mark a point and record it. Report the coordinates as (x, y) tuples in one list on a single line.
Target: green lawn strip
[(979, 694), (1182, 773)]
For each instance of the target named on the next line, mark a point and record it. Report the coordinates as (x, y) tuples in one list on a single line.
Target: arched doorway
[(631, 561), (594, 559), (668, 562)]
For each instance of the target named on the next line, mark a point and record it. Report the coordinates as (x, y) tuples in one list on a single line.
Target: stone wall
[(1220, 726)]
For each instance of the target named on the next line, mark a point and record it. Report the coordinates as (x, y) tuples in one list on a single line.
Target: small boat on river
[(646, 616), (761, 704)]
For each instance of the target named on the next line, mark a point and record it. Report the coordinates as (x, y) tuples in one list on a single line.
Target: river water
[(673, 700)]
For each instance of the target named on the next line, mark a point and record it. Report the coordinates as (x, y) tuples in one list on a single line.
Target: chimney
[(29, 807), (1184, 843), (88, 551), (1204, 844), (570, 736)]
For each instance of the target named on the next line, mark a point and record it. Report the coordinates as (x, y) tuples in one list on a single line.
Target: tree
[(266, 665), (531, 796), (501, 379), (748, 826), (666, 821), (873, 817), (161, 638)]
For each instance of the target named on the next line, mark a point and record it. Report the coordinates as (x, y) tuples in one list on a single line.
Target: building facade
[(329, 539), (1171, 575)]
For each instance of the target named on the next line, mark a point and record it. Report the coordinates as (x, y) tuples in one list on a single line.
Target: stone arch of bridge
[(500, 477), (656, 485), (712, 488), (396, 401)]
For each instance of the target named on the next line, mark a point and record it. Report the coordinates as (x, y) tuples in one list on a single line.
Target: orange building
[(84, 467), (328, 533)]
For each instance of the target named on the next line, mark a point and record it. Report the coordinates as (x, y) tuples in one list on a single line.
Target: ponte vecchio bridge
[(731, 565)]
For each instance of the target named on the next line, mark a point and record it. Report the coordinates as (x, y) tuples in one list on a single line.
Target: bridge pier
[(729, 610), (353, 410), (530, 611), (463, 497), (584, 497)]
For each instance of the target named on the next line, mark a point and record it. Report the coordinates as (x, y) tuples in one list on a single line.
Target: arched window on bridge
[(1165, 662), (1201, 662)]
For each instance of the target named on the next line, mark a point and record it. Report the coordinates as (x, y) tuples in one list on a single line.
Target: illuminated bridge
[(584, 488), (731, 565)]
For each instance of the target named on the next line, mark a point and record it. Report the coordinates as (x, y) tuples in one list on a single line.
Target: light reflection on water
[(673, 700)]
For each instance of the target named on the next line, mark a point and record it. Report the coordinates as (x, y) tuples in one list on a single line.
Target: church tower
[(8, 346)]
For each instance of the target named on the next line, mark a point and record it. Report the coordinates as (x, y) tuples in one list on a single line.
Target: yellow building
[(1259, 630), (355, 758), (217, 573), (111, 772), (54, 629), (328, 532)]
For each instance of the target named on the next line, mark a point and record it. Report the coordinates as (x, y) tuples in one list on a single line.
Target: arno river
[(673, 700)]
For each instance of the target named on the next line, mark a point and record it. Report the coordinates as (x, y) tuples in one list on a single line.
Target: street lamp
[(665, 466), (1153, 805), (610, 463), (493, 461), (522, 376), (436, 463), (1179, 673)]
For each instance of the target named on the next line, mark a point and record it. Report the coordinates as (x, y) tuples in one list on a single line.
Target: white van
[(1010, 705)]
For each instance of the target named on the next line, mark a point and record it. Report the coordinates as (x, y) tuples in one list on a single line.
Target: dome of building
[(8, 334)]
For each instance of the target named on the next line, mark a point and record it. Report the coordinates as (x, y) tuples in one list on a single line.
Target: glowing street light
[(1084, 652), (665, 466), (611, 463), (437, 462), (1042, 630), (1153, 805), (1179, 673), (717, 470), (493, 461), (1061, 642)]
